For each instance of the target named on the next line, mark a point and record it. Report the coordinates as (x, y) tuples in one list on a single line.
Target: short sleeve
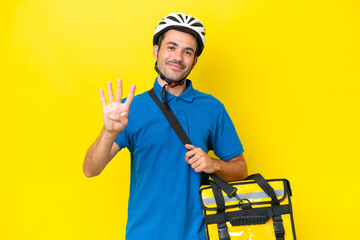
[(122, 140), (225, 141)]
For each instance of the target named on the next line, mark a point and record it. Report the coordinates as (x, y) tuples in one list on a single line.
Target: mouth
[(175, 66)]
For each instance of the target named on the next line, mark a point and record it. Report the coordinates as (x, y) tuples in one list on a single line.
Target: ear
[(155, 51), (195, 61)]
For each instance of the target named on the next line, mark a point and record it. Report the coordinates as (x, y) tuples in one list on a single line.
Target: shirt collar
[(187, 95)]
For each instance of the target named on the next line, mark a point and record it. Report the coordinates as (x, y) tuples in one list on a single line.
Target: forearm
[(99, 154), (232, 170)]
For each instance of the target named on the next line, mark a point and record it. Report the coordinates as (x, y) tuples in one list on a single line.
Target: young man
[(164, 202)]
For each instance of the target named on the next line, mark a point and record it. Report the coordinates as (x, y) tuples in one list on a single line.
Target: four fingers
[(118, 94)]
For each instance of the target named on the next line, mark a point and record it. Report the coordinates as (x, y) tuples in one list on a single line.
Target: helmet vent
[(197, 25), (173, 18), (181, 17)]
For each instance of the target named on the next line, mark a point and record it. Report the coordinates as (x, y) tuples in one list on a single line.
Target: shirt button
[(177, 99)]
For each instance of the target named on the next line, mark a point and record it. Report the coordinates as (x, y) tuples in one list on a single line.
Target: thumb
[(124, 114), (118, 116), (189, 147)]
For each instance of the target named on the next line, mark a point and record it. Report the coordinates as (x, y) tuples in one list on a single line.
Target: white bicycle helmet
[(180, 21)]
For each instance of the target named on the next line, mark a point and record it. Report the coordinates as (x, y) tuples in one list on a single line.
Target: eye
[(171, 48), (188, 53)]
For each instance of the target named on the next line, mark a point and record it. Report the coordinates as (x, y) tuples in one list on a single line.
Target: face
[(175, 58)]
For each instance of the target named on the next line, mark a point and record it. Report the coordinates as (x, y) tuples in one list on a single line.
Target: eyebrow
[(175, 44)]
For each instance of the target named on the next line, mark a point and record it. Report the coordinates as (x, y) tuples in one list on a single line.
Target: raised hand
[(115, 114)]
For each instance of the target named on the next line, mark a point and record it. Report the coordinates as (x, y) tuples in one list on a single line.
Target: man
[(164, 201)]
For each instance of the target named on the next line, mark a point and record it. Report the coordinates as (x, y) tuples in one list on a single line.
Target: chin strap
[(168, 83)]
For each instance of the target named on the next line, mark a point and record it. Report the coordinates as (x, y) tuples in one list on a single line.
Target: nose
[(178, 56)]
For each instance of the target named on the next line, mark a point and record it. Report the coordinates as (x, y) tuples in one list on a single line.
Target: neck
[(176, 91)]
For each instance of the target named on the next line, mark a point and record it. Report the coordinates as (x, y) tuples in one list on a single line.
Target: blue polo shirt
[(164, 200)]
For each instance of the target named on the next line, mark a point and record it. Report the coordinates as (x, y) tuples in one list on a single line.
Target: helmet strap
[(170, 83)]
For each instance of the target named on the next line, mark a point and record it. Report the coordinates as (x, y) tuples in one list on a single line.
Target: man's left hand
[(200, 161)]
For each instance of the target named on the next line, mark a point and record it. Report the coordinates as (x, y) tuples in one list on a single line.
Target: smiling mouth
[(173, 66)]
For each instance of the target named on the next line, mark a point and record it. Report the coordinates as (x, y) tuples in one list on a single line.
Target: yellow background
[(287, 71)]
